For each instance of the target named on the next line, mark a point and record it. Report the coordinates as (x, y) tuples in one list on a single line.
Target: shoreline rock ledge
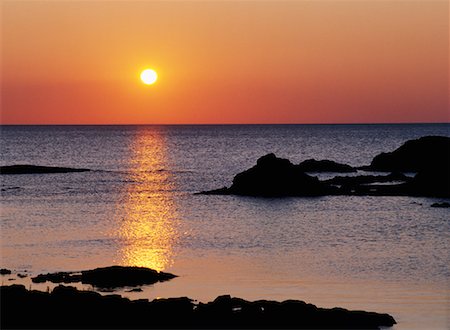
[(68, 308)]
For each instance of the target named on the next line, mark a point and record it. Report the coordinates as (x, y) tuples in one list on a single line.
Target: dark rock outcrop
[(66, 307), (272, 177), (443, 205), (220, 191), (316, 166), (414, 155), (60, 277), (432, 181), (108, 277), (34, 169), (5, 271), (275, 177)]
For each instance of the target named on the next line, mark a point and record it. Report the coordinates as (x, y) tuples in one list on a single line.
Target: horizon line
[(235, 124)]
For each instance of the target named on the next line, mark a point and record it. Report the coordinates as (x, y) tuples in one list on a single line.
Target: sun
[(149, 76)]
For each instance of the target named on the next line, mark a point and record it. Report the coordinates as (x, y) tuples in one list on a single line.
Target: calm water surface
[(386, 254)]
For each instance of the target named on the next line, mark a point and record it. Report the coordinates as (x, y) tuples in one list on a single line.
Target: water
[(137, 207)]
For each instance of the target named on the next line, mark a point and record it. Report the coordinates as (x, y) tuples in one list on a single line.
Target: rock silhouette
[(108, 277), (414, 156), (433, 181), (443, 205), (5, 271), (67, 307), (277, 177), (34, 169), (316, 166), (273, 176)]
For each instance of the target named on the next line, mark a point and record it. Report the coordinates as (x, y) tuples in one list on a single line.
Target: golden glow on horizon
[(149, 76), (147, 215)]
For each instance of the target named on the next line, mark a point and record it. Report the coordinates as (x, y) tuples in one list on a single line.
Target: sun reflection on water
[(147, 214)]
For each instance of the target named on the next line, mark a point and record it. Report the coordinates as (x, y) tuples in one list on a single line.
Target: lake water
[(137, 207)]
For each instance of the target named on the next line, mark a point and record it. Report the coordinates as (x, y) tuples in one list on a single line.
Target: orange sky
[(78, 62)]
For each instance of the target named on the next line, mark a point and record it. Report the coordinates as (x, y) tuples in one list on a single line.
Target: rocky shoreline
[(66, 307)]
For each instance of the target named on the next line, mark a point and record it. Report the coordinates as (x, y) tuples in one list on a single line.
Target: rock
[(433, 181), (220, 191), (71, 308), (5, 271), (135, 290), (119, 276), (34, 169), (108, 277), (369, 185), (443, 204), (429, 156), (315, 166), (414, 156), (60, 277), (9, 188), (274, 177), (366, 179), (22, 275)]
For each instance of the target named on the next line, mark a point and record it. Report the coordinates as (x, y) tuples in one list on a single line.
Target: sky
[(224, 62)]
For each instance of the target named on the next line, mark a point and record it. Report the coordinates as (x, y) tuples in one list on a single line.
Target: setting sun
[(149, 76)]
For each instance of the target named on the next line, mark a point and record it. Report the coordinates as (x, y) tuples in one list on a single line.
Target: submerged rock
[(108, 277), (315, 166), (367, 179), (71, 308), (34, 169), (414, 155), (443, 205)]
